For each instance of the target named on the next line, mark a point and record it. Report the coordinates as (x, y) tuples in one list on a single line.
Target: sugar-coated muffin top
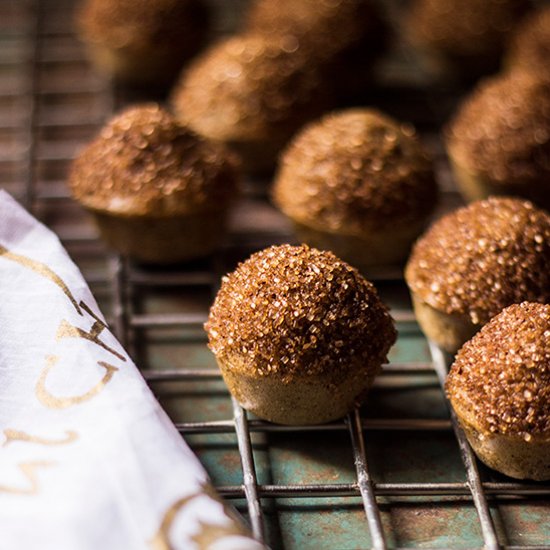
[(502, 130), (530, 46), (482, 258), (500, 380), (144, 163), (296, 311), (177, 26), (353, 171), (249, 87)]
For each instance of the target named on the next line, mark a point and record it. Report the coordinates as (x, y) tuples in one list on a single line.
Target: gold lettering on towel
[(28, 471), (42, 270), (17, 435), (161, 540), (66, 330), (53, 402), (208, 534)]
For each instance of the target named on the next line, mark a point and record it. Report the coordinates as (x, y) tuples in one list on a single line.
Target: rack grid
[(51, 103)]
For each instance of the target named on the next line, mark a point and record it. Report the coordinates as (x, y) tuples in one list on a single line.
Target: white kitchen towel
[(88, 459)]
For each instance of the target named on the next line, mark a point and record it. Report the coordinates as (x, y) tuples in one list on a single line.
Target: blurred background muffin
[(467, 36), (359, 183), (158, 192), (499, 140), (474, 262), (251, 92), (529, 48), (143, 42), (345, 36)]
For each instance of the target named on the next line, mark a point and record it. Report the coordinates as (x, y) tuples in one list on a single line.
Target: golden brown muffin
[(468, 35), (499, 387), (158, 192), (298, 334), (348, 35), (499, 140), (142, 41), (359, 183), (474, 262), (252, 93), (530, 46)]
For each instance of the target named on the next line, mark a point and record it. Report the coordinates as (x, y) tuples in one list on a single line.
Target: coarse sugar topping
[(502, 131), (481, 258), (294, 310), (501, 378), (144, 163), (249, 86), (354, 171)]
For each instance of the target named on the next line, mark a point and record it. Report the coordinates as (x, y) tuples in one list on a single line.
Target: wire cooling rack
[(397, 473)]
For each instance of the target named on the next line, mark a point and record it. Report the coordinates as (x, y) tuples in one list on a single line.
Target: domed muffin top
[(355, 170), (483, 257), (502, 131), (296, 311), (144, 163), (500, 380), (249, 87)]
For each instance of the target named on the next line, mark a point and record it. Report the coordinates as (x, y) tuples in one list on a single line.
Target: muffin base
[(162, 240), (509, 454), (301, 401), (448, 331), (474, 186), (389, 247)]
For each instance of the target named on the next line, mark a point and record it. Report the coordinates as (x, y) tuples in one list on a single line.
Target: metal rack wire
[(36, 39)]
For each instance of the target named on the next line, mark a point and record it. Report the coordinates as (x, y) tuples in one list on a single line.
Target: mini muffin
[(499, 387), (474, 262), (252, 93), (298, 334), (359, 183), (499, 140), (142, 41), (530, 46), (347, 35), (467, 36), (158, 192)]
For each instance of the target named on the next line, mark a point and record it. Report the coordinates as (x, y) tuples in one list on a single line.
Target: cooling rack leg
[(364, 481), (32, 109), (249, 471), (441, 364), (118, 278)]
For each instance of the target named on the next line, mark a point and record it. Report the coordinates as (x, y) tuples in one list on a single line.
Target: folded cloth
[(88, 459)]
